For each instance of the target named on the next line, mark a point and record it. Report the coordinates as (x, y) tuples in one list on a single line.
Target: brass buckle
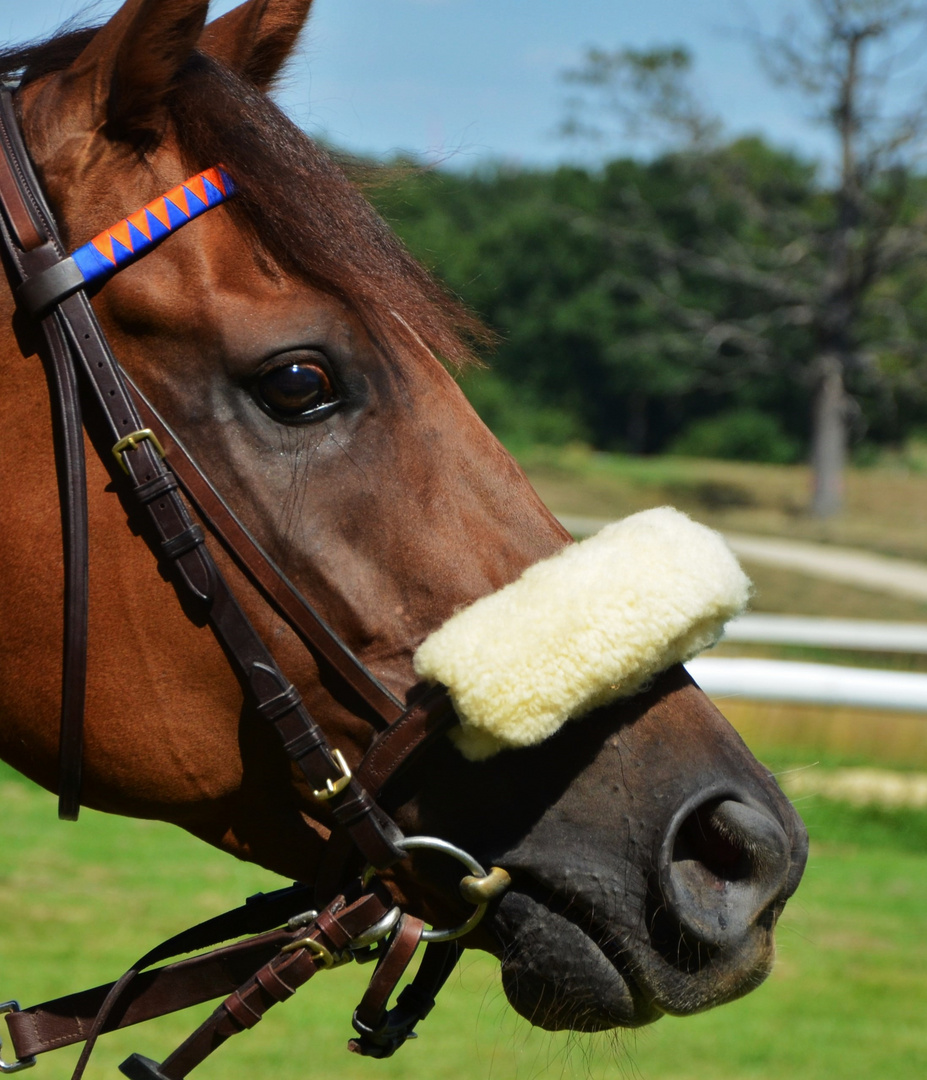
[(130, 442), (326, 957), (22, 1063), (332, 787)]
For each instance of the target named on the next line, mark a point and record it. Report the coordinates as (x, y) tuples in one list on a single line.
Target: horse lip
[(636, 1004)]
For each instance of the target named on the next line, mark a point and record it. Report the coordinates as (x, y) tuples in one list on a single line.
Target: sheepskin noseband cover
[(593, 623)]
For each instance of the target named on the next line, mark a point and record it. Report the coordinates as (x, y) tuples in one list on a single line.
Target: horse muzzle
[(708, 912), (665, 902)]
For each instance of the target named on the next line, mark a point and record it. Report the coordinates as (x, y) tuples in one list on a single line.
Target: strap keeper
[(306, 742), (186, 541), (241, 1011), (286, 701), (353, 807), (151, 490), (40, 293)]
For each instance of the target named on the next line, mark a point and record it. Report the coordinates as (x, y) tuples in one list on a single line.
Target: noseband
[(361, 921)]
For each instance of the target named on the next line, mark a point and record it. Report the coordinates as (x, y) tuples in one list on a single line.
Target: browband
[(129, 239)]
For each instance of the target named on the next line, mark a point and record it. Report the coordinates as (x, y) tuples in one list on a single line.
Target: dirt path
[(899, 577)]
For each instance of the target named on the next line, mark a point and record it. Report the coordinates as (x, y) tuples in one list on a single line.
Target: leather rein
[(293, 940)]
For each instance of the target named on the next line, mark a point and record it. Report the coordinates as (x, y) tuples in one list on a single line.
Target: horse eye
[(295, 390)]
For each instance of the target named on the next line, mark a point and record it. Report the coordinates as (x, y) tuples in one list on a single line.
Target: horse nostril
[(722, 865)]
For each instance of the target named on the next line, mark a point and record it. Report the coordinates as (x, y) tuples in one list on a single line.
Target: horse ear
[(134, 60), (255, 39)]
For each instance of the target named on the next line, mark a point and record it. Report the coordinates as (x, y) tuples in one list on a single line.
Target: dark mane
[(294, 200), (35, 59)]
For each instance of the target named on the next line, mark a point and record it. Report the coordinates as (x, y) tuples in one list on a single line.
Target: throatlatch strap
[(33, 248)]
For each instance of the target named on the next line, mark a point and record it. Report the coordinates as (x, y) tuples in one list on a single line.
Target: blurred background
[(698, 232)]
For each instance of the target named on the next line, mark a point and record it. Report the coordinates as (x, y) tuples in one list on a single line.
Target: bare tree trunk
[(636, 432), (829, 438)]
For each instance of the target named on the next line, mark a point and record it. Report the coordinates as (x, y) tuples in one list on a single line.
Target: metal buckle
[(374, 934), (22, 1063), (130, 442), (326, 957), (332, 787)]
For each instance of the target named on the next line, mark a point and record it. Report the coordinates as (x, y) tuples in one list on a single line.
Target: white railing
[(858, 634), (817, 684)]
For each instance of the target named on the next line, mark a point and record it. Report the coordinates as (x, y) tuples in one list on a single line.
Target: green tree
[(528, 251), (827, 266)]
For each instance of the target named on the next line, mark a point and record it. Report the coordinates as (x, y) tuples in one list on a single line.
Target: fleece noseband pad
[(593, 623)]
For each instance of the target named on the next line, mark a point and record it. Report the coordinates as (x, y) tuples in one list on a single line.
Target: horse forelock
[(298, 203), (294, 201)]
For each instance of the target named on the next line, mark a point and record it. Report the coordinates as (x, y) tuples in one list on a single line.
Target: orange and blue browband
[(126, 241)]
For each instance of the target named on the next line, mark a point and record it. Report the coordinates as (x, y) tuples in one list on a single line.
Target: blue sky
[(477, 80)]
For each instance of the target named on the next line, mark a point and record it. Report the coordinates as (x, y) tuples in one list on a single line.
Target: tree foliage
[(824, 265), (709, 278)]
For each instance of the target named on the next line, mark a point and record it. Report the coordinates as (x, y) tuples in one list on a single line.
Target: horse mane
[(294, 200)]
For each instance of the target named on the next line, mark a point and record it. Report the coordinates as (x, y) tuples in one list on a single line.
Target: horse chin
[(555, 975), (559, 974)]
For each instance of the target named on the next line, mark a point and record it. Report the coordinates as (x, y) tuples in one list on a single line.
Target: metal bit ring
[(433, 843)]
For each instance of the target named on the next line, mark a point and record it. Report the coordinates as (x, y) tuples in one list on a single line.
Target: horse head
[(290, 344)]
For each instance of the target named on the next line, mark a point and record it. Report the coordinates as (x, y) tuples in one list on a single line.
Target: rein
[(361, 921)]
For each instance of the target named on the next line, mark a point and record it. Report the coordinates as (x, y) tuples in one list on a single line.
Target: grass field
[(79, 902)]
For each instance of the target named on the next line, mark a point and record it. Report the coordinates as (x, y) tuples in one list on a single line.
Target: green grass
[(847, 998)]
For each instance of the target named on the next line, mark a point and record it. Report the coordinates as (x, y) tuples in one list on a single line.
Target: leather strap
[(69, 1019), (429, 715), (370, 1014), (278, 979), (20, 217), (383, 1033), (148, 994), (33, 249), (264, 573)]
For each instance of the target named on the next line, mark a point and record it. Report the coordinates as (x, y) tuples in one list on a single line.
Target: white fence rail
[(829, 633), (817, 684)]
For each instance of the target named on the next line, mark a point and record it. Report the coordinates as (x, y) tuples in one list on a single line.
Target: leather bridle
[(361, 919)]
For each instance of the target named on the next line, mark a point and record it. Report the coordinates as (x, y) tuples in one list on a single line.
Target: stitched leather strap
[(148, 994), (33, 249), (281, 976), (384, 1032), (370, 1014), (20, 216)]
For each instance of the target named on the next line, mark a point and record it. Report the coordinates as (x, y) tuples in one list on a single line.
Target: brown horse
[(290, 343)]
